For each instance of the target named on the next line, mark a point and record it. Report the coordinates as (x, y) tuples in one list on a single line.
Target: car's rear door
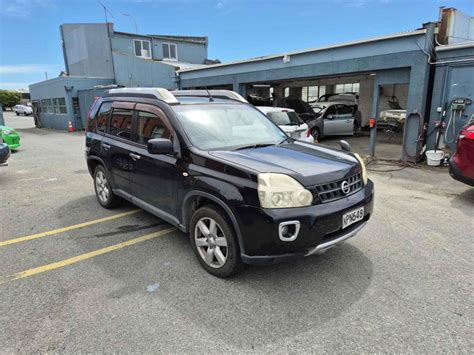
[(155, 177), (117, 144)]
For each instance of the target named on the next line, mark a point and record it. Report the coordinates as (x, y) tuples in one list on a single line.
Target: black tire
[(103, 190), (224, 229), (17, 113)]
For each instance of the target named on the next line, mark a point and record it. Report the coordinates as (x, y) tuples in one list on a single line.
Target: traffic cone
[(70, 128)]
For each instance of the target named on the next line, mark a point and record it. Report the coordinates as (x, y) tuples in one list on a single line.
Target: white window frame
[(169, 51), (141, 48)]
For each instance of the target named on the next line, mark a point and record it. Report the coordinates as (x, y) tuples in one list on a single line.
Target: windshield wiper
[(287, 139), (253, 146)]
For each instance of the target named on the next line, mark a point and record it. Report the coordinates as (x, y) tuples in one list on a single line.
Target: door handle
[(135, 156), (106, 146)]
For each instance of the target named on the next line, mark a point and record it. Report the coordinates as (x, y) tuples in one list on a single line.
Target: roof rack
[(220, 94), (155, 93)]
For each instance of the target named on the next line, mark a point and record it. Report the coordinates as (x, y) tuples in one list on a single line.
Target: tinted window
[(285, 118), (331, 111), (121, 123), (344, 110), (150, 126), (102, 119)]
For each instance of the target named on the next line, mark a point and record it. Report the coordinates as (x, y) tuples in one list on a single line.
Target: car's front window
[(227, 126), (283, 118)]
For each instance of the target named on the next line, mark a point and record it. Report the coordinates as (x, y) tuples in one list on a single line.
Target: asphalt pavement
[(82, 278)]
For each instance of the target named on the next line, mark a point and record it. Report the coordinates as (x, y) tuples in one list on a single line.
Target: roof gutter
[(319, 49)]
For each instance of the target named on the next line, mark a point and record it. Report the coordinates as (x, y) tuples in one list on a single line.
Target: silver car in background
[(339, 119)]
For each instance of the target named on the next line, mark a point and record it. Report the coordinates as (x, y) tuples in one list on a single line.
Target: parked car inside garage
[(306, 113), (289, 121), (339, 119)]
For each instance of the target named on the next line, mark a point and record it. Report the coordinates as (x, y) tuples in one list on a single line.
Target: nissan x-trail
[(219, 170)]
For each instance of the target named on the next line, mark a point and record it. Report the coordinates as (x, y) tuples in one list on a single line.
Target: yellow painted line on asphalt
[(82, 257), (66, 229)]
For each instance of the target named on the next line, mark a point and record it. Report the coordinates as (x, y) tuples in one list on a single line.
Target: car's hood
[(308, 163), (5, 128)]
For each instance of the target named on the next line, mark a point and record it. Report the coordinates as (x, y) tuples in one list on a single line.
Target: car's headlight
[(282, 191), (365, 177)]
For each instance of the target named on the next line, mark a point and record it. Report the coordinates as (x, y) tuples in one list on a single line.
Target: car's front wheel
[(17, 113), (213, 240), (103, 189)]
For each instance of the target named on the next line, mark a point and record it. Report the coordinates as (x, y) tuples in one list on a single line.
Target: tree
[(9, 98)]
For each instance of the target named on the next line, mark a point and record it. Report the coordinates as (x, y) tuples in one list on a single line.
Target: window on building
[(348, 87), (170, 51), (47, 106), (142, 48), (151, 126), (121, 123), (312, 93), (102, 118)]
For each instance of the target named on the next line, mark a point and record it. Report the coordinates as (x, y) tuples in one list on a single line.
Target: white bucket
[(433, 157)]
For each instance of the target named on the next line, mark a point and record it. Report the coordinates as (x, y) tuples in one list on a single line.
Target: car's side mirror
[(345, 146), (330, 117), (160, 146)]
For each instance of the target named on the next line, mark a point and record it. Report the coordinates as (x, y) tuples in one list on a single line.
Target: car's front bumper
[(458, 175), (320, 228)]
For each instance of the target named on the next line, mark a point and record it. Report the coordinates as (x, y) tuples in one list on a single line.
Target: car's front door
[(117, 144), (155, 177), (338, 120)]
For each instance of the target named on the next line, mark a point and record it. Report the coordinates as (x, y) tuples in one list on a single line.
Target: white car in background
[(22, 110), (289, 121)]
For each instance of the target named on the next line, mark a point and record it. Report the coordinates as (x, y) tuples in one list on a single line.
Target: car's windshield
[(284, 118), (227, 126)]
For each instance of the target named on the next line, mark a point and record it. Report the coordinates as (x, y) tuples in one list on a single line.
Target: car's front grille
[(338, 189)]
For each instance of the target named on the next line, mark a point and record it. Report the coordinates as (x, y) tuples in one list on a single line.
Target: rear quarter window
[(100, 122)]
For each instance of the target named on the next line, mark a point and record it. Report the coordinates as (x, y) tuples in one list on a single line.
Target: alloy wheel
[(211, 242), (102, 187)]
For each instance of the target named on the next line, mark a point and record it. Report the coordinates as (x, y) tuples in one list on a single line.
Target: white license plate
[(352, 217)]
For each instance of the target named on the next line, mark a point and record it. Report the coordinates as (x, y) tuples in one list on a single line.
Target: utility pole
[(133, 19)]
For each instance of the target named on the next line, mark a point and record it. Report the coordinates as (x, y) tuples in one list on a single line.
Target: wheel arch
[(194, 199)]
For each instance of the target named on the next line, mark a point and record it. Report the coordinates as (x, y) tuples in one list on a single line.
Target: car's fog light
[(288, 231)]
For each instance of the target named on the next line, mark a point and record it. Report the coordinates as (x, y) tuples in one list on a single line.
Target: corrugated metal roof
[(182, 65), (339, 45)]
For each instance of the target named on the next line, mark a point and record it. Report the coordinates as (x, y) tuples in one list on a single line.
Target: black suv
[(217, 168)]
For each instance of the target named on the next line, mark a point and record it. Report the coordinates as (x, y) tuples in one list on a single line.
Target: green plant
[(9, 98)]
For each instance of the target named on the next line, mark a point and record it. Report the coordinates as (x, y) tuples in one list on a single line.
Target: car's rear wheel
[(213, 240), (103, 189), (17, 113)]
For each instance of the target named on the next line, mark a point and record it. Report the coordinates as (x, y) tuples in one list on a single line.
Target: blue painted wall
[(55, 88), (452, 80), (133, 71), (187, 52), (86, 49)]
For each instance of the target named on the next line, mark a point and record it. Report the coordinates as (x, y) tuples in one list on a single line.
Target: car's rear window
[(285, 118)]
